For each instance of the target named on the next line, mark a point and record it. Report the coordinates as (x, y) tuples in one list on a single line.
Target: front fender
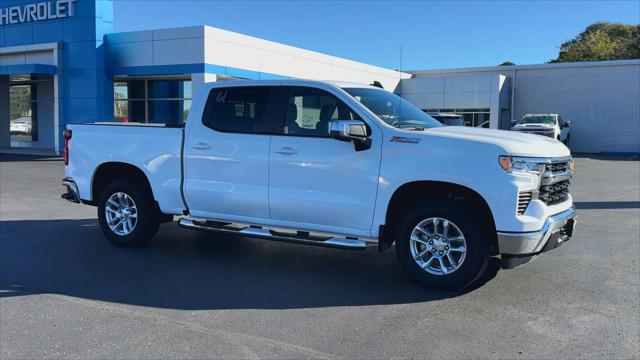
[(470, 164)]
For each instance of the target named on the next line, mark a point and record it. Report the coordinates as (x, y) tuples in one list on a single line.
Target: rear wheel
[(440, 246), (127, 214)]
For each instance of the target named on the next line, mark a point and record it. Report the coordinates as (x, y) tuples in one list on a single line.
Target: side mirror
[(567, 124), (513, 123), (351, 130)]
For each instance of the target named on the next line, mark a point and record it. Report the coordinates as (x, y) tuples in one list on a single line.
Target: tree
[(507, 63), (602, 41)]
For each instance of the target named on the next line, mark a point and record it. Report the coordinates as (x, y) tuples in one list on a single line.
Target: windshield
[(393, 109), (538, 119)]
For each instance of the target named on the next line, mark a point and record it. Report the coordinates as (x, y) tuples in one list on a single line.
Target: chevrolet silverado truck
[(329, 164), (549, 125)]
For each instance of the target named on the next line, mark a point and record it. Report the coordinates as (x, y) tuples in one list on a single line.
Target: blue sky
[(433, 34)]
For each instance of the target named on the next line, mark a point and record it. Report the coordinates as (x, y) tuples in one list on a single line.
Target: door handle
[(287, 151), (201, 146)]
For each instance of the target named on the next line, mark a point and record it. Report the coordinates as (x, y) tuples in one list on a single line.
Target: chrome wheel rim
[(121, 213), (438, 246)]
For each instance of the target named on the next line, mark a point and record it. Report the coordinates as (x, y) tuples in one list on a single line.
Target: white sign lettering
[(37, 12)]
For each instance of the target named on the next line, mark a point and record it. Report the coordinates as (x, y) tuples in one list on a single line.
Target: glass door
[(23, 114)]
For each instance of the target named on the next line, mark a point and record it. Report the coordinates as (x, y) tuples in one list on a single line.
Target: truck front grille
[(557, 168), (554, 193), (524, 198)]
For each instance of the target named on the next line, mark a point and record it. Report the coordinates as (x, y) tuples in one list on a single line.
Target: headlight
[(510, 164)]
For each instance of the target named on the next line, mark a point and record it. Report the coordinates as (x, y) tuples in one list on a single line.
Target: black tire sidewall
[(476, 257), (148, 215)]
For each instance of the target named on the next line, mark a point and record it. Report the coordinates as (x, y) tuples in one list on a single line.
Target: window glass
[(121, 111), (23, 112), (393, 109), (166, 111), (310, 112), (538, 119), (165, 101), (136, 89), (120, 91), (137, 112), (239, 110), (169, 89)]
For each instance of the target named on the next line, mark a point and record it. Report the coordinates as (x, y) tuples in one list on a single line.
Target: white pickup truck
[(329, 164), (549, 125)]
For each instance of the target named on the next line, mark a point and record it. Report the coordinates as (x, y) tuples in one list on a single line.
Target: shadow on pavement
[(193, 270)]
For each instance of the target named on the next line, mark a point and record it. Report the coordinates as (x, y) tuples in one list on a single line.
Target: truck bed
[(155, 149)]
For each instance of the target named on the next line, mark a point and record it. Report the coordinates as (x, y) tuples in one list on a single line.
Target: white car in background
[(21, 126), (550, 125)]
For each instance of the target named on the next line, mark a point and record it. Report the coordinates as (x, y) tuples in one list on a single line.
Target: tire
[(470, 265), (141, 228)]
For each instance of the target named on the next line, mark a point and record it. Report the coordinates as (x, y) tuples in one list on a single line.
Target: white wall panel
[(426, 100), (130, 54), (181, 51), (468, 83), (179, 33), (13, 59), (467, 100)]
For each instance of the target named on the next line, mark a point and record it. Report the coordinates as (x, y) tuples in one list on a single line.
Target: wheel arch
[(110, 171), (411, 194)]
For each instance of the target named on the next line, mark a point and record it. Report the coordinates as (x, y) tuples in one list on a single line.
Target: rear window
[(240, 110)]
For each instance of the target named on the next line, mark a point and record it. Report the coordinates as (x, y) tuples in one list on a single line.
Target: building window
[(23, 112), (164, 101), (472, 117)]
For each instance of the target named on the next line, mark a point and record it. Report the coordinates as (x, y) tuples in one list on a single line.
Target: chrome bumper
[(72, 193), (556, 230)]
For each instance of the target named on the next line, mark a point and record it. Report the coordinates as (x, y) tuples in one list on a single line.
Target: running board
[(301, 237)]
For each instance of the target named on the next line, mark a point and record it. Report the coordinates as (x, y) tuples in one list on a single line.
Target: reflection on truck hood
[(514, 143)]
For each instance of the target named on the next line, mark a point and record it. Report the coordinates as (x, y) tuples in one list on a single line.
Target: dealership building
[(61, 63)]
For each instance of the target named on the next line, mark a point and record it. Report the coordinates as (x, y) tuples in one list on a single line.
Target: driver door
[(313, 178)]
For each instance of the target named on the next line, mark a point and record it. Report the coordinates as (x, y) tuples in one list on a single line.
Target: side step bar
[(270, 234)]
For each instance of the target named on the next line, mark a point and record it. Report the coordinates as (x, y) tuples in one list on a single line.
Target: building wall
[(83, 90), (472, 91), (204, 49), (602, 103), (601, 99)]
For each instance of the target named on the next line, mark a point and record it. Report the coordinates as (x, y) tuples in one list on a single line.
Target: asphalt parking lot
[(65, 292)]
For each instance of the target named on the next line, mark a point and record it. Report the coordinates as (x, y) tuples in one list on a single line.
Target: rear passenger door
[(318, 182), (227, 155)]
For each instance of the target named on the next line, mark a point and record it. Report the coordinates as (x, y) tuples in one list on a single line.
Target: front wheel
[(441, 246), (127, 214)]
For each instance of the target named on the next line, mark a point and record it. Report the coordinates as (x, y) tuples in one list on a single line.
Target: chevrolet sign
[(37, 12)]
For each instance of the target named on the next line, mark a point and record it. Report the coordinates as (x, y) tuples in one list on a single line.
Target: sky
[(431, 34)]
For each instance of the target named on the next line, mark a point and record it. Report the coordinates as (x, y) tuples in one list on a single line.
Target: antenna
[(400, 82)]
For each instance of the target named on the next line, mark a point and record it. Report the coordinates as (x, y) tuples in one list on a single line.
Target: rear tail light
[(67, 138)]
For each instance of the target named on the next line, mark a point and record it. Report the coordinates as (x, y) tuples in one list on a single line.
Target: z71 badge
[(407, 140)]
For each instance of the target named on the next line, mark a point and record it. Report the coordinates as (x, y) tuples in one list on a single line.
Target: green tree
[(507, 63), (602, 41)]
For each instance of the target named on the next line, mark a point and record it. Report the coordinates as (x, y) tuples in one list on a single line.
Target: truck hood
[(534, 127), (514, 143)]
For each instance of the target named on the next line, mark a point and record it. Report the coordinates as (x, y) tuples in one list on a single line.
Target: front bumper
[(517, 248), (72, 193)]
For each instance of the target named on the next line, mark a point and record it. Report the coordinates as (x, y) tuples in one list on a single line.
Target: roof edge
[(525, 67)]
